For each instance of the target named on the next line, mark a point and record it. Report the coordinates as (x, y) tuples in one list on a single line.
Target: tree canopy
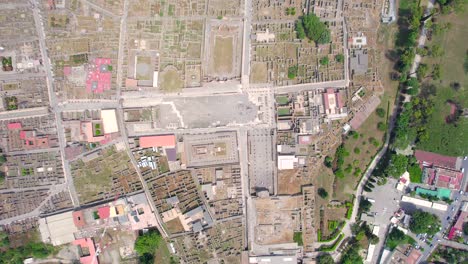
[(396, 237), (351, 256), (147, 243), (424, 222), (322, 193), (311, 27), (325, 259), (397, 165)]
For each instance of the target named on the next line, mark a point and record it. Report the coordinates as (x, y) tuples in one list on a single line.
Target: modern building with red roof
[(104, 212), (86, 250), (78, 219), (158, 141), (13, 126), (429, 159), (448, 179)]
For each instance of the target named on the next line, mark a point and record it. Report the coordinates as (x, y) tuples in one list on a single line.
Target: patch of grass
[(223, 55), (297, 237), (449, 139), (283, 112), (333, 246), (282, 100)]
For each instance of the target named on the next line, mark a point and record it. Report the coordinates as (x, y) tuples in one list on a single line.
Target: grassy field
[(223, 55), (446, 138), (170, 81), (259, 72)]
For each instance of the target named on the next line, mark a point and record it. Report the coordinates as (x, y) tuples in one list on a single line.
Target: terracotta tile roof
[(158, 141), (430, 159)]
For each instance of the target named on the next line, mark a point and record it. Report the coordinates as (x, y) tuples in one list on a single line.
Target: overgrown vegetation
[(297, 237), (449, 255), (17, 255), (424, 222), (396, 237), (292, 72), (146, 245), (309, 26)]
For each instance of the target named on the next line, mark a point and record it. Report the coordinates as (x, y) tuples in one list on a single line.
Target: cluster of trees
[(325, 259), (447, 6), (361, 230), (290, 11), (146, 245), (364, 206), (370, 184), (309, 26), (397, 237), (17, 255), (411, 124), (449, 255), (351, 255), (424, 222), (338, 163)]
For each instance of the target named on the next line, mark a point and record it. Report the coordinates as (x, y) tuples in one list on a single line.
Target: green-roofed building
[(441, 193)]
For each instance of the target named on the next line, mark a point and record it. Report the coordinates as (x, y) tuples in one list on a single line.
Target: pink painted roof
[(23, 134), (104, 212), (87, 243), (66, 70), (13, 126), (436, 159), (99, 81), (325, 101), (339, 100), (452, 233), (157, 141)]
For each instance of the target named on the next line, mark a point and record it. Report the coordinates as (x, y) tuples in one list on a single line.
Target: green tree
[(380, 112), (436, 72), (322, 193), (373, 239), (422, 51), (395, 238), (147, 243), (328, 161), (397, 165), (292, 72), (436, 51), (300, 30), (364, 205), (324, 61), (424, 222), (381, 126), (357, 150), (339, 58), (351, 256), (415, 173), (325, 259), (311, 27), (422, 70)]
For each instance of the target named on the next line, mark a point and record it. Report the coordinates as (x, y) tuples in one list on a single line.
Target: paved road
[(23, 113), (53, 101)]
